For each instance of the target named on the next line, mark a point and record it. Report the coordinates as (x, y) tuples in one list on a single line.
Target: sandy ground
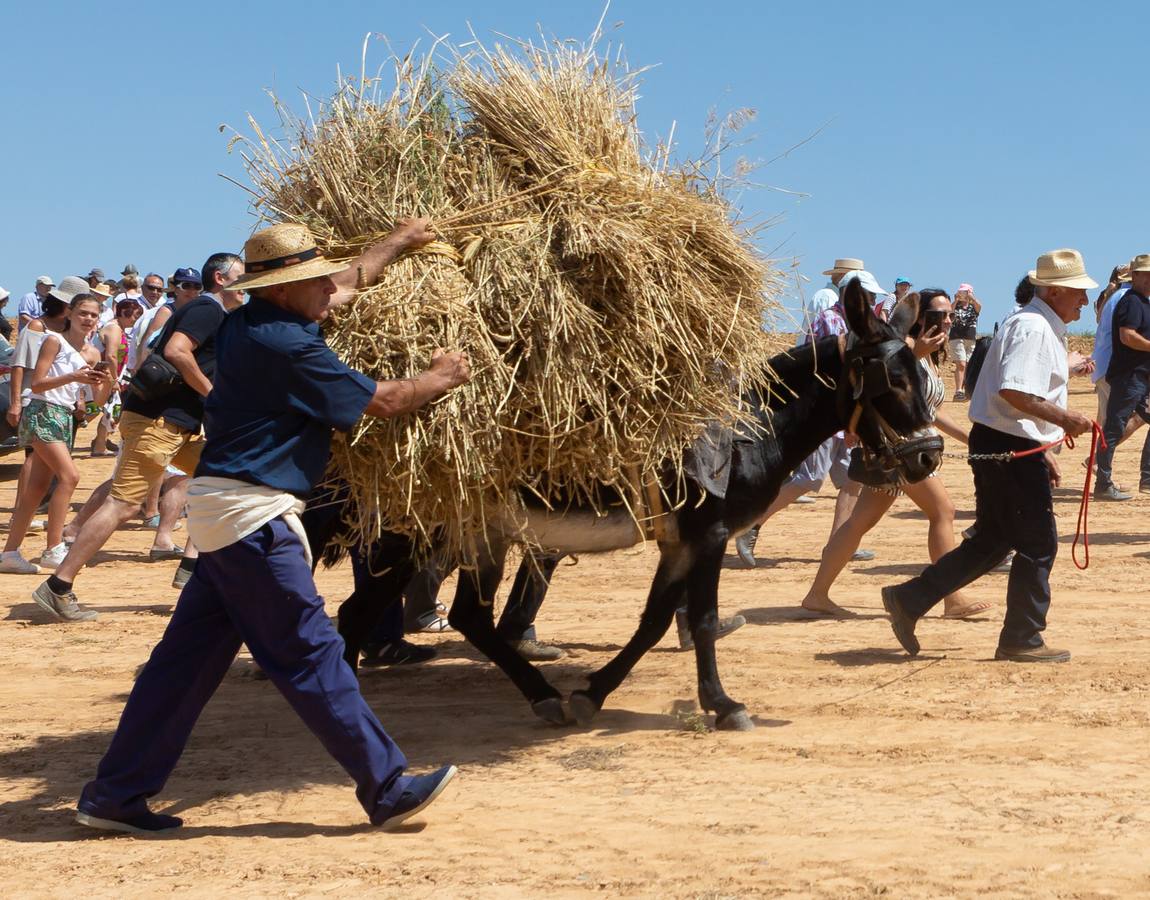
[(869, 773)]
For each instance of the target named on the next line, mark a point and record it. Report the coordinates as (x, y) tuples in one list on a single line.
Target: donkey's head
[(881, 396)]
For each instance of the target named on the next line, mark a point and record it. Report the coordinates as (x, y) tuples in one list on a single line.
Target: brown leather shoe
[(1040, 654), (901, 623)]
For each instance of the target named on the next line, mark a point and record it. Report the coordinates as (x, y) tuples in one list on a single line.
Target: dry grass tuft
[(609, 301)]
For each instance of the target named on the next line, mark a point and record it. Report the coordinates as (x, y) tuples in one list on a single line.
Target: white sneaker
[(53, 556), (13, 563)]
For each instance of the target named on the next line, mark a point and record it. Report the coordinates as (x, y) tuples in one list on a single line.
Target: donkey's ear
[(858, 307), (905, 313)]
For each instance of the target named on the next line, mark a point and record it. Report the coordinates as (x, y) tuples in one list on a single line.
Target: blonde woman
[(929, 334)]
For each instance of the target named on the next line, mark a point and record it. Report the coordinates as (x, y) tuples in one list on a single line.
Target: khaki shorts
[(960, 350), (148, 446)]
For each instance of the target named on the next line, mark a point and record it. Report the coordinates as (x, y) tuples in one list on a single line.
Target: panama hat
[(1062, 268), (102, 290), (845, 265), (282, 254), (1140, 263)]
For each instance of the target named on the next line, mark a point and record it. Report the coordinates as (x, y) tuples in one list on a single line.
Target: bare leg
[(152, 504), (788, 494), (93, 502), (58, 458), (171, 508), (959, 375), (931, 497), (101, 524), (37, 476), (100, 443), (845, 540), (845, 504)]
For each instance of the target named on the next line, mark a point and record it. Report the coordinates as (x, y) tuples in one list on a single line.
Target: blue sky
[(957, 141)]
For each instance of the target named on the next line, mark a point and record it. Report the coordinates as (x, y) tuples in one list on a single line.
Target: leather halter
[(868, 373)]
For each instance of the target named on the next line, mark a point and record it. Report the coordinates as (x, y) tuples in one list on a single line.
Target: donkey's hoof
[(735, 720), (583, 708), (551, 711)]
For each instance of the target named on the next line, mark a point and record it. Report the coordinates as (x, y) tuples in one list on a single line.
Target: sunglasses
[(188, 286), (153, 287)]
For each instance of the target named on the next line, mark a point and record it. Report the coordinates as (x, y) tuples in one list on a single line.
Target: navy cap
[(192, 275)]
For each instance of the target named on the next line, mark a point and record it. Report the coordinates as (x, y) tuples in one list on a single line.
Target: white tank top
[(67, 361)]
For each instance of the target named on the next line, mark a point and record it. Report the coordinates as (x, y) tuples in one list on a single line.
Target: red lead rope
[(1096, 440)]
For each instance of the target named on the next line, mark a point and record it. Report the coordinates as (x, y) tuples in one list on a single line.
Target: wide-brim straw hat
[(1140, 263), (845, 265), (282, 254), (69, 287), (101, 289), (1062, 268)]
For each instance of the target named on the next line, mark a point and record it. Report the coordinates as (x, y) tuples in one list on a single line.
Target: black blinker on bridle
[(868, 370)]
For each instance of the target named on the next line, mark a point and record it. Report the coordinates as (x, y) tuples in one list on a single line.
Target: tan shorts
[(960, 349), (148, 446)]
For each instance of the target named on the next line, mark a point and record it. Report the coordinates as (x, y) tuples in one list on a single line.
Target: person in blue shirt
[(278, 393)]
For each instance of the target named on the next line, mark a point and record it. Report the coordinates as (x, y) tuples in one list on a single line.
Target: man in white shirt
[(1019, 404), (30, 304)]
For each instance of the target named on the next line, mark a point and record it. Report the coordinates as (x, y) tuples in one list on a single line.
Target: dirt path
[(949, 775)]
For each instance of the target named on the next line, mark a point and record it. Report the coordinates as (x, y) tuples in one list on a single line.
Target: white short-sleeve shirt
[(1027, 355)]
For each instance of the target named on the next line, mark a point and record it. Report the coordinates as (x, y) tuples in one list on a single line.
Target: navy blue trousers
[(1014, 510), (260, 592), (1127, 398)]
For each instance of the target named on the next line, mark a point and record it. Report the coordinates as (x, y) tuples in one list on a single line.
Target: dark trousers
[(517, 622), (260, 592), (1128, 396), (1014, 510)]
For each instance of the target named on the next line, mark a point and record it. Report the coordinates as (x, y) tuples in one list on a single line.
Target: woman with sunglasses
[(927, 338), (66, 363)]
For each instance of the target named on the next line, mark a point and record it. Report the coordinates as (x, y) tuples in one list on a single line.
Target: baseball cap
[(901, 280), (46, 280), (865, 279), (965, 287), (187, 274)]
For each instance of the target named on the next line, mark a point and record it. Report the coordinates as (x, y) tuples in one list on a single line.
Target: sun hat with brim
[(844, 265), (282, 254), (1061, 268), (101, 290), (1140, 263), (864, 278), (69, 287)]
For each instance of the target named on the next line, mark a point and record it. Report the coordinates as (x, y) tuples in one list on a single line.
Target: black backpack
[(977, 358)]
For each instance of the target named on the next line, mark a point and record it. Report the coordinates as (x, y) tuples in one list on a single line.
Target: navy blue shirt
[(1132, 311), (279, 391)]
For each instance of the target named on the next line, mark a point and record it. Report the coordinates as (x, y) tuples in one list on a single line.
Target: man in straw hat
[(828, 295), (1019, 403), (279, 393), (1128, 378)]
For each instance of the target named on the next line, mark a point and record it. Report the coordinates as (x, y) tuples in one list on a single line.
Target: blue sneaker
[(146, 823), (421, 790)]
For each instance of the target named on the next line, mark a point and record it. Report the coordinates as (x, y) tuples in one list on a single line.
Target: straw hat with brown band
[(282, 254), (845, 265)]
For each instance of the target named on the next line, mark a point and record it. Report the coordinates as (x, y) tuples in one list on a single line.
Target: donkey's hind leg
[(380, 578), (665, 597), (472, 615)]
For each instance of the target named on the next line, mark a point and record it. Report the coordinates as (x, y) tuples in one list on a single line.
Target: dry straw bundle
[(610, 306)]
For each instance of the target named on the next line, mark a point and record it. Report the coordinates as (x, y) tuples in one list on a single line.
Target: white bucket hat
[(1062, 268)]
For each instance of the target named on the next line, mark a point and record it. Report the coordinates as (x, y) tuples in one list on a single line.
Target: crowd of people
[(222, 373)]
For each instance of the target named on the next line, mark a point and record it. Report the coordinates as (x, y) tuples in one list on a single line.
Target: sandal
[(971, 609), (156, 554)]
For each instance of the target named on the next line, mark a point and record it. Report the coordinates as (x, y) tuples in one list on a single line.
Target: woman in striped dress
[(928, 336)]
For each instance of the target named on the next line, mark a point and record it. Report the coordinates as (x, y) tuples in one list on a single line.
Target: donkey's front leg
[(665, 597), (472, 615), (703, 620)]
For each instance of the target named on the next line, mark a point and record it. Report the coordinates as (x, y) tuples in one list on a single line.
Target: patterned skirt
[(46, 422)]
